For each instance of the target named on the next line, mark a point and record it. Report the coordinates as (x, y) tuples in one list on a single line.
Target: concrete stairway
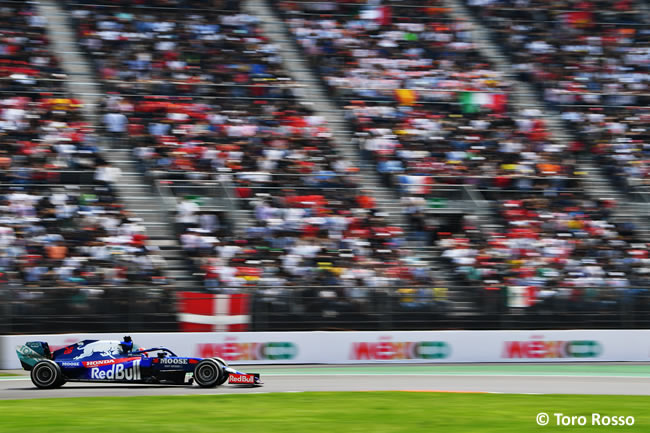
[(387, 199), (597, 185), (80, 81), (523, 95), (132, 188), (593, 181)]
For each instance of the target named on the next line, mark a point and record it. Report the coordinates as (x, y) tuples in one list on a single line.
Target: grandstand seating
[(561, 249), (199, 96), (224, 108), (403, 73), (589, 59), (429, 109), (61, 223)]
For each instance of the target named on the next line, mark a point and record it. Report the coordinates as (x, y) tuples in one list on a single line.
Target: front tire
[(207, 373), (221, 360), (224, 374), (47, 375)]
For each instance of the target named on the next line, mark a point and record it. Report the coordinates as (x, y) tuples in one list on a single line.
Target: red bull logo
[(241, 378), (539, 348), (385, 350), (117, 372)]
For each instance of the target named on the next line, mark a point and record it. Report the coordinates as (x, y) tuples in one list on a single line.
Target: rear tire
[(47, 375), (207, 373)]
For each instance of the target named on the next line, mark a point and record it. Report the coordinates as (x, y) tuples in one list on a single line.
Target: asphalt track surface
[(611, 379)]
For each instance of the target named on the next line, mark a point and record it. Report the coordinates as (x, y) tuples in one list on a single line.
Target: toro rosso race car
[(117, 361)]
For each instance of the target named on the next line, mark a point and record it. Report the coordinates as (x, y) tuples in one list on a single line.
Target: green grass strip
[(315, 412)]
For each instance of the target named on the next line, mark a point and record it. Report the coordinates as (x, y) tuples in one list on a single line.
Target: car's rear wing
[(32, 352)]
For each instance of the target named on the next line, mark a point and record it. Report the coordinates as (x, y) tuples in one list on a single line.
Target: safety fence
[(162, 308)]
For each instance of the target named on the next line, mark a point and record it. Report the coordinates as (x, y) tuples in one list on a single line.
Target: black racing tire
[(221, 360), (224, 374), (47, 374), (207, 373)]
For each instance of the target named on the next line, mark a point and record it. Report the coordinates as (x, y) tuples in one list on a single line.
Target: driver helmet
[(126, 344)]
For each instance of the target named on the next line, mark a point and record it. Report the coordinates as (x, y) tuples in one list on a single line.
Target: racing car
[(118, 361)]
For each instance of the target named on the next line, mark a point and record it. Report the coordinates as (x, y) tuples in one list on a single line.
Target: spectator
[(116, 127)]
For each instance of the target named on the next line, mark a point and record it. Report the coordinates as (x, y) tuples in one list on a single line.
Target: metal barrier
[(99, 309), (156, 309)]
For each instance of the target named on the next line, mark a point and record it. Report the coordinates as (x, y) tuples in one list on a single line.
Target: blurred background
[(200, 165)]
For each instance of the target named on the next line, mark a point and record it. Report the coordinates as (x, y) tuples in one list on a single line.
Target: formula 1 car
[(117, 361)]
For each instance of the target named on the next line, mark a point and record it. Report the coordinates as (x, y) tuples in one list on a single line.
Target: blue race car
[(117, 361)]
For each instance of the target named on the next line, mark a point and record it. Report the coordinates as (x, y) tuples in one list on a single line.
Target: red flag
[(205, 312), (499, 101), (384, 15)]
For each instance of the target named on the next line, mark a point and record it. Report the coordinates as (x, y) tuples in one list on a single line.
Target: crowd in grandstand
[(429, 110), (224, 107), (562, 248), (590, 60), (60, 221), (427, 106), (198, 92)]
